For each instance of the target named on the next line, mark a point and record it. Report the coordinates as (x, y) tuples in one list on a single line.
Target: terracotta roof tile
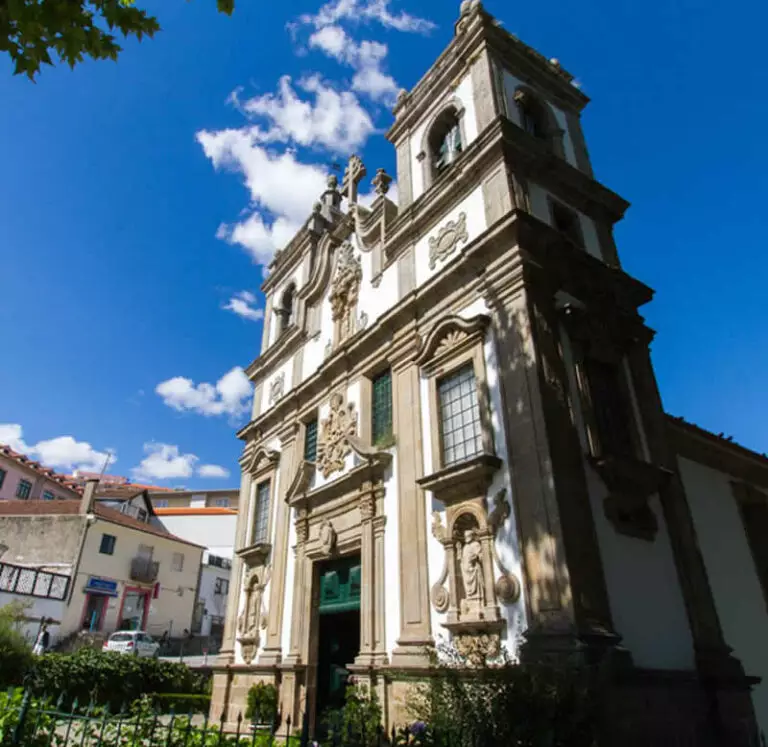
[(22, 459)]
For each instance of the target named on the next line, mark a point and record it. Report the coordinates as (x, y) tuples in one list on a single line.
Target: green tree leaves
[(34, 32)]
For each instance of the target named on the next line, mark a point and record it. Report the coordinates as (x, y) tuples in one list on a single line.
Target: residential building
[(119, 569), (176, 498), (22, 478), (214, 527)]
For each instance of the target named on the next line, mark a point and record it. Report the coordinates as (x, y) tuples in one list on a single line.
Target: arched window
[(285, 312), (535, 118), (444, 141)]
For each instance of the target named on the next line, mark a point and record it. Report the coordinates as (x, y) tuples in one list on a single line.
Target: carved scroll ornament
[(448, 238), (345, 289), (333, 445)]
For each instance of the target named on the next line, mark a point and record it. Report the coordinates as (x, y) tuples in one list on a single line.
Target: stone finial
[(381, 182), (333, 181), (316, 207)]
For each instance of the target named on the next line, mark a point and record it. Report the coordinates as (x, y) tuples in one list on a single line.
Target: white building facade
[(456, 433)]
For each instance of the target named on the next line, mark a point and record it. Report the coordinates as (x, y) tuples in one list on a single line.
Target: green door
[(339, 639)]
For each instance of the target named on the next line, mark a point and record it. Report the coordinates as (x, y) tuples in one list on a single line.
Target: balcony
[(144, 570)]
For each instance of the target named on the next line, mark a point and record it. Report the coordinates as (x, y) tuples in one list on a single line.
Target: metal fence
[(17, 579)]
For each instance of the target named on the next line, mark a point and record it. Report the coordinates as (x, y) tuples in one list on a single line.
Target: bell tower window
[(537, 120), (285, 313), (445, 142)]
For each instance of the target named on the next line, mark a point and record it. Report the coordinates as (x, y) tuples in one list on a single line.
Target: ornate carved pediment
[(630, 484), (259, 459), (333, 445), (301, 481), (450, 334), (345, 289), (453, 233)]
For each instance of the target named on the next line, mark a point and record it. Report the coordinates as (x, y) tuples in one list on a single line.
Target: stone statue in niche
[(250, 621), (470, 553)]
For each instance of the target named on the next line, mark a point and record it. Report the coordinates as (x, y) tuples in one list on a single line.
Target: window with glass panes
[(310, 441), (3, 473), (460, 426), (48, 496), (381, 406), (261, 515), (23, 489)]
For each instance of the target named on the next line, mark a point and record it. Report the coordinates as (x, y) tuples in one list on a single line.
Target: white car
[(135, 642)]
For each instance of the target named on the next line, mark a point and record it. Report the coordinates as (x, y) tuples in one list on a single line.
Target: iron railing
[(144, 570), (17, 579)]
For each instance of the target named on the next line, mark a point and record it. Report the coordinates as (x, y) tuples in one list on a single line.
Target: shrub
[(262, 703), (15, 654), (504, 703), (37, 726), (108, 678), (358, 723), (181, 702)]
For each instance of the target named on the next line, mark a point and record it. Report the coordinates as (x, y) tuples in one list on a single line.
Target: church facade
[(456, 431)]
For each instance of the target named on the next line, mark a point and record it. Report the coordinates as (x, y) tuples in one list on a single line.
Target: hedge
[(109, 678), (181, 702)]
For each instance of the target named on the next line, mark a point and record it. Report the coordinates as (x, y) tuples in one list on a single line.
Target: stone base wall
[(641, 708)]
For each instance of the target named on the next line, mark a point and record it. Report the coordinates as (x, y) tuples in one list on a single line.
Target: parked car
[(135, 642)]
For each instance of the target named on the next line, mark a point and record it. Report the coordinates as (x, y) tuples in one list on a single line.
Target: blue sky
[(137, 198)]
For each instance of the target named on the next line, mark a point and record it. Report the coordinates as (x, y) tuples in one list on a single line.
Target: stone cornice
[(694, 443), (538, 246), (288, 343)]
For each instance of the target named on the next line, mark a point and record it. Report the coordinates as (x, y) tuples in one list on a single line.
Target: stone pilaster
[(404, 178), (380, 632), (415, 627), (368, 580), (484, 94), (301, 590), (227, 652), (272, 649)]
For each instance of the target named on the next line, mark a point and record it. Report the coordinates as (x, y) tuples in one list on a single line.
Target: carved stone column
[(227, 652), (380, 592), (368, 582), (300, 590), (415, 626), (272, 648)]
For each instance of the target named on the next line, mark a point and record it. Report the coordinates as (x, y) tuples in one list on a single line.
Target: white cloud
[(229, 396), (242, 304), (332, 119), (365, 57), (63, 452), (164, 462), (366, 11), (212, 470)]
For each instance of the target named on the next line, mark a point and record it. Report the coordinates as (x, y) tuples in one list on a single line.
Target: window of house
[(48, 496), (160, 502), (146, 551), (221, 502), (611, 408), (261, 514), (444, 141), (107, 546), (177, 561), (23, 489), (221, 586), (460, 425), (567, 222), (142, 514), (310, 441), (381, 407), (3, 473)]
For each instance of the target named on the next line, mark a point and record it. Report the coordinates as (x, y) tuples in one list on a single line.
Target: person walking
[(43, 641)]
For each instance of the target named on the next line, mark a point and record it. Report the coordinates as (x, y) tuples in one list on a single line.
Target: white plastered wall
[(473, 206), (731, 571), (507, 544), (644, 593), (273, 445)]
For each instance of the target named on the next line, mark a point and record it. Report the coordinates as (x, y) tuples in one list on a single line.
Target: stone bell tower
[(456, 432)]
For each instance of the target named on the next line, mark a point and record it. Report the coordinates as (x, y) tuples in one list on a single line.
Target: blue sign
[(98, 585)]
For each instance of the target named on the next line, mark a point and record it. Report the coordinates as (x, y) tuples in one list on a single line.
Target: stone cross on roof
[(353, 174)]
